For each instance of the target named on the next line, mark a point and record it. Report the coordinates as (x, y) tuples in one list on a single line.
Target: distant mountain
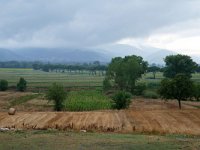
[(57, 55), (150, 54), (104, 54), (158, 56), (115, 50), (6, 55)]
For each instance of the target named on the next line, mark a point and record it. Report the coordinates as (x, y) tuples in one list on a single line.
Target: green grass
[(39, 79), (23, 99), (87, 101), (52, 140)]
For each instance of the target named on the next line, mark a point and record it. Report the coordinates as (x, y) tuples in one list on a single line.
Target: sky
[(166, 24)]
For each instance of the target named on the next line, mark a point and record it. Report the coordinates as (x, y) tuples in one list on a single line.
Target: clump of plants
[(140, 88), (3, 85), (22, 85), (57, 94), (121, 100)]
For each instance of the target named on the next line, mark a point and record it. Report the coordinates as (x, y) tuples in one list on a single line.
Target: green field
[(57, 140), (87, 101), (40, 79)]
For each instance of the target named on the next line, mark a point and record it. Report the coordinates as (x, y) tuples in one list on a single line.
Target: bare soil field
[(144, 115)]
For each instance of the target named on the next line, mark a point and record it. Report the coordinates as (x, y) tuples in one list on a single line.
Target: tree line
[(123, 74), (92, 68)]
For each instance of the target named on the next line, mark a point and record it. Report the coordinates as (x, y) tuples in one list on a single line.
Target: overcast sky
[(168, 24)]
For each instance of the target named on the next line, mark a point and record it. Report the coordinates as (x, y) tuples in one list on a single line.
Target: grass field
[(40, 79), (52, 140)]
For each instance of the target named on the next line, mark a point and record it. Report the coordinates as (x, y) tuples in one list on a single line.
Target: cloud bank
[(167, 24)]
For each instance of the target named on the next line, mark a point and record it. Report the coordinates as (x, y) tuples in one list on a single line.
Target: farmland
[(39, 79), (147, 123)]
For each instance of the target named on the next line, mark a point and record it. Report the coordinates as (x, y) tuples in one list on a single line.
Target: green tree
[(3, 85), (180, 88), (121, 100), (21, 85), (125, 71), (57, 93), (154, 70), (179, 64)]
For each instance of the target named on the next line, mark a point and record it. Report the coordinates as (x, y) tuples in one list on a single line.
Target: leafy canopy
[(179, 64), (125, 71)]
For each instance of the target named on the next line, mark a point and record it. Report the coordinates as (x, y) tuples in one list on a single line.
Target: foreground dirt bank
[(129, 121)]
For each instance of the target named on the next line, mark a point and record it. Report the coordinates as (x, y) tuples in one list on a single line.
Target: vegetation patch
[(24, 99), (87, 101), (150, 94)]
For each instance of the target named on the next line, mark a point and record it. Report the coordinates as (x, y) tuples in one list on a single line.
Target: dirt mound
[(174, 121)]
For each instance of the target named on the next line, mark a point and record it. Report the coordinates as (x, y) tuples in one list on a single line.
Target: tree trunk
[(179, 103)]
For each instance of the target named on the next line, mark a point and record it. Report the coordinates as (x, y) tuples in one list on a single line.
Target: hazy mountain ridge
[(103, 54)]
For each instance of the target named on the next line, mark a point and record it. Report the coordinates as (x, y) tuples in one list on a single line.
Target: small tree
[(3, 85), (57, 93), (121, 100), (21, 85), (179, 88)]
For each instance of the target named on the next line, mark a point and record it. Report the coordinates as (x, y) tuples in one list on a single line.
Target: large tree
[(179, 64), (180, 88), (125, 71)]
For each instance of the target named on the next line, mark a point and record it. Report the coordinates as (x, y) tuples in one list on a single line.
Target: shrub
[(21, 85), (121, 100), (3, 85), (151, 94), (57, 93), (106, 84), (139, 88), (196, 92)]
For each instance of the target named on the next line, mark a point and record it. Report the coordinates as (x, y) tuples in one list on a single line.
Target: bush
[(3, 85), (151, 94), (121, 100), (57, 93), (21, 85), (196, 92), (139, 88), (106, 84)]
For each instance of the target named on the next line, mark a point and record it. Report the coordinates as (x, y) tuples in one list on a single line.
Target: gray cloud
[(87, 23)]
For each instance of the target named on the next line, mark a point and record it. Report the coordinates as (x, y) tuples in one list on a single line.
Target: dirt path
[(160, 121)]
